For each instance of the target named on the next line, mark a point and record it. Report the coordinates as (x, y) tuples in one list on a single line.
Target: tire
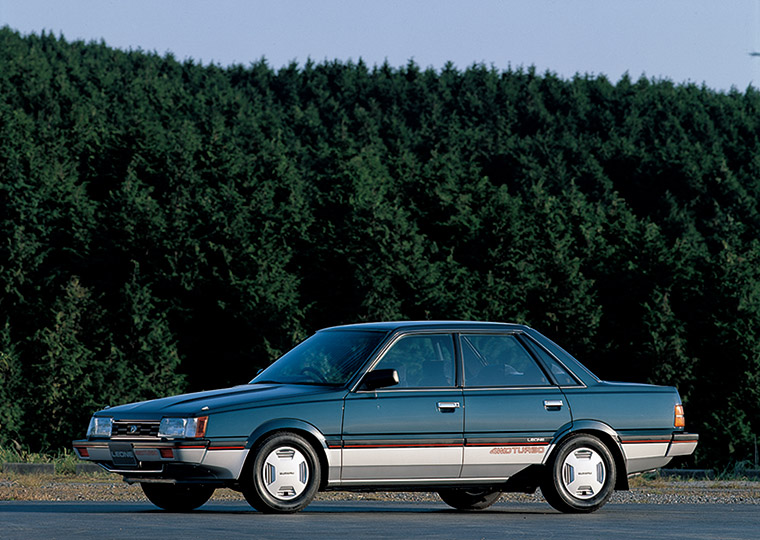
[(581, 475), (282, 476), (177, 497), (469, 499)]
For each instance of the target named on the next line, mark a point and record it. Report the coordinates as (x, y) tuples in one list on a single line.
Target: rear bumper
[(683, 444), (644, 453)]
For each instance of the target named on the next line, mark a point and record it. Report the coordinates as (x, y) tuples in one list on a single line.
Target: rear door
[(513, 408), (411, 431)]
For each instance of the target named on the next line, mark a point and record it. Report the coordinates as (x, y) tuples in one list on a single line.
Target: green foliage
[(65, 460), (169, 226), (11, 389)]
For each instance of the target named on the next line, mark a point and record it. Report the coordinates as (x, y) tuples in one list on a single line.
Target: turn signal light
[(200, 431), (680, 420)]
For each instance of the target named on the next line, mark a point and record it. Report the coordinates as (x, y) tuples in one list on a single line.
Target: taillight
[(679, 420)]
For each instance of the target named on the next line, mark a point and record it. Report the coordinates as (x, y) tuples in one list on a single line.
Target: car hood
[(243, 396)]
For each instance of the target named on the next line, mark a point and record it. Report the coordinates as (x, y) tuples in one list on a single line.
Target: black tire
[(177, 497), (469, 499), (282, 475), (581, 475)]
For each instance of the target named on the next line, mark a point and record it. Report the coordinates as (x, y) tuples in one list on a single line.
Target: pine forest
[(170, 226)]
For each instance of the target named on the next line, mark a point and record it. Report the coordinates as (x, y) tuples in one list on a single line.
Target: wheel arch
[(607, 435), (292, 425)]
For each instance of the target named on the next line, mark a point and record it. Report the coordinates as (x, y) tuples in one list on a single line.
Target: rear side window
[(499, 360), (560, 374)]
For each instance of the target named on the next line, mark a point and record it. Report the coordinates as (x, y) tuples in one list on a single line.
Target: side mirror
[(379, 378)]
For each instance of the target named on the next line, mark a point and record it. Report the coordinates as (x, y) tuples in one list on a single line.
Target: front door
[(412, 431)]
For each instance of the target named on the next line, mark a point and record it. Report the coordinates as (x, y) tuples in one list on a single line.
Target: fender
[(591, 426), (285, 424), (331, 465)]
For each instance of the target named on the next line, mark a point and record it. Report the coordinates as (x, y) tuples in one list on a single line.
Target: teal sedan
[(466, 409)]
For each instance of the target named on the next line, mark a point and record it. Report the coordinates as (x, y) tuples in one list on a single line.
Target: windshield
[(329, 358)]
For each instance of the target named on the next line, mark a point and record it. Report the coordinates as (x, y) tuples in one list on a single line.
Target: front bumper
[(176, 461)]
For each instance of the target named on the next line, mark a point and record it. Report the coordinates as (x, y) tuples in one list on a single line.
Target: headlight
[(100, 426), (183, 428)]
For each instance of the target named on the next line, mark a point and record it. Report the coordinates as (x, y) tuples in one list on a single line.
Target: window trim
[(533, 342)]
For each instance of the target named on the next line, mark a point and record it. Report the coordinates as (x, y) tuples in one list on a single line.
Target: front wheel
[(283, 476), (469, 499), (177, 497), (581, 475)]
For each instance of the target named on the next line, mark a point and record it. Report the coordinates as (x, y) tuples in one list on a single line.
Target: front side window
[(499, 360), (422, 361)]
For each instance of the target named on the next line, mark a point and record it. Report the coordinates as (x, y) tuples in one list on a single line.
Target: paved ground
[(377, 519), (102, 506)]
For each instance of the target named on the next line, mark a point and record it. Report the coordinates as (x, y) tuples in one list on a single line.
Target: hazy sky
[(682, 40)]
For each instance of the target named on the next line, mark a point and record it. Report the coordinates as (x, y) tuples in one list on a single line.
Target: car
[(465, 409)]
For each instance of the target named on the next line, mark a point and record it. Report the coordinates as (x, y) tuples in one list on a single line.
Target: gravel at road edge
[(103, 487)]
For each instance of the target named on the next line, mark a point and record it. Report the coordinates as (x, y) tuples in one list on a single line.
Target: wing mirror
[(379, 378)]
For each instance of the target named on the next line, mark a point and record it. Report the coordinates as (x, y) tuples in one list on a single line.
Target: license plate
[(122, 454)]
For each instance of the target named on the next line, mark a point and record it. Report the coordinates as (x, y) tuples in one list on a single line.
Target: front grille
[(130, 430)]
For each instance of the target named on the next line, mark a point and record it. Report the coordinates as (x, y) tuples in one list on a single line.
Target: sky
[(686, 41)]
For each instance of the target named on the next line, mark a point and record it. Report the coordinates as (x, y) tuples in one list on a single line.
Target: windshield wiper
[(305, 383), (314, 383)]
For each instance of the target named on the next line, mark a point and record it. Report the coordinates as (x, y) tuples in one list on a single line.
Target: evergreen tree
[(157, 216)]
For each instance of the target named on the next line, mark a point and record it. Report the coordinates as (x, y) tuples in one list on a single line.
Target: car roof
[(391, 326)]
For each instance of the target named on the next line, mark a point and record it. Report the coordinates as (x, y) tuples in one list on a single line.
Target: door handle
[(448, 406), (553, 404)]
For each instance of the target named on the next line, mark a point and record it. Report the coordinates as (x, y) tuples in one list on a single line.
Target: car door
[(512, 406), (413, 430)]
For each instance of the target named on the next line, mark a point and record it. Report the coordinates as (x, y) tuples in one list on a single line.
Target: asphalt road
[(371, 519)]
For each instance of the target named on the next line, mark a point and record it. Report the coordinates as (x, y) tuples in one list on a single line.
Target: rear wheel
[(581, 475), (469, 499), (283, 475), (177, 497)]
